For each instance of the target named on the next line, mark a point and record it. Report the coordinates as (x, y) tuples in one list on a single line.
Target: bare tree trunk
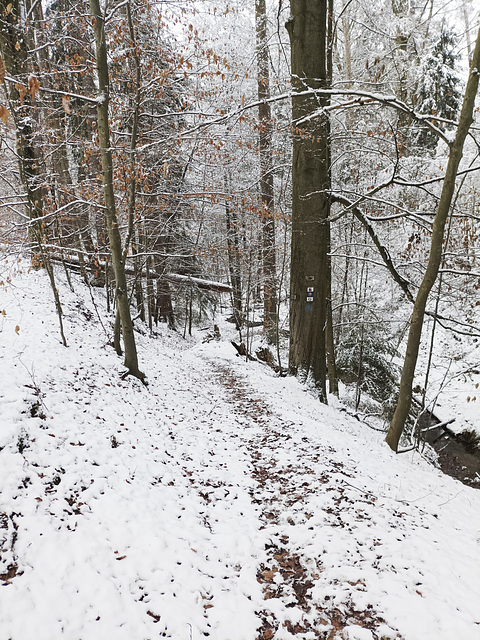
[(467, 29), (270, 311), (13, 45), (233, 249), (329, 336), (121, 293), (416, 323), (14, 50), (150, 295), (132, 182), (164, 307), (309, 289), (347, 44), (400, 9)]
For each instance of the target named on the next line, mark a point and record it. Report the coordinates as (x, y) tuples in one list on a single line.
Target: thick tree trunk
[(416, 323), (270, 312), (309, 288), (121, 293), (13, 46)]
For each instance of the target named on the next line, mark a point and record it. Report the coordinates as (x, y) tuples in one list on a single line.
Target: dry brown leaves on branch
[(4, 113), (33, 86), (22, 91), (66, 104)]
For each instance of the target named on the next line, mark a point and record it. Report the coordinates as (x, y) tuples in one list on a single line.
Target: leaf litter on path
[(222, 502)]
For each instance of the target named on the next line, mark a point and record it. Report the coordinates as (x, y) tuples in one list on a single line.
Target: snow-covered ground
[(220, 501), (454, 380)]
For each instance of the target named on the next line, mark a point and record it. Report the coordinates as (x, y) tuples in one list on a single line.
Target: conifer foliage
[(438, 90)]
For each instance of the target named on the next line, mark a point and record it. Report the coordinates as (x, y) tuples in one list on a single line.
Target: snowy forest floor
[(219, 502)]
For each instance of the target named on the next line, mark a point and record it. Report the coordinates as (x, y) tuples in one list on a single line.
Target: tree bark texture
[(21, 98), (307, 29), (13, 45), (329, 335), (234, 265), (121, 293), (270, 315), (436, 246), (132, 235)]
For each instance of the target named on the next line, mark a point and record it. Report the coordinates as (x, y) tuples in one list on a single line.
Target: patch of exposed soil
[(455, 461), (454, 458)]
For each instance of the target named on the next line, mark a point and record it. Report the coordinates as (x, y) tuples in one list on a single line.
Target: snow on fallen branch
[(175, 278), (209, 285)]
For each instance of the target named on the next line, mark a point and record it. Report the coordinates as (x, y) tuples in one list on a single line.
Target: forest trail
[(281, 490), (221, 502)]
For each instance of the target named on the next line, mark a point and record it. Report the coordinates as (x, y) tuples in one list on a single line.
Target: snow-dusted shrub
[(365, 358)]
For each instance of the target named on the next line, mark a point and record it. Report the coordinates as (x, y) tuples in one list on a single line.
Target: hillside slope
[(219, 501)]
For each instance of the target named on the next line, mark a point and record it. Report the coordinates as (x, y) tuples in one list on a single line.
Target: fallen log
[(242, 351), (176, 278), (209, 285)]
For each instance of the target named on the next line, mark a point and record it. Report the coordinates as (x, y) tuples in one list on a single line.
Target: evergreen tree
[(438, 92)]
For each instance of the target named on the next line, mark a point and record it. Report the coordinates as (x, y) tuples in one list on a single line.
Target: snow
[(454, 379), (220, 501)]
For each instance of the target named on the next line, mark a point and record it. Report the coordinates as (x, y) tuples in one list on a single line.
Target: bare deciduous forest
[(295, 181)]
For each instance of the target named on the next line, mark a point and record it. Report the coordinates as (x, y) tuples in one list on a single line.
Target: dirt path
[(281, 492)]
